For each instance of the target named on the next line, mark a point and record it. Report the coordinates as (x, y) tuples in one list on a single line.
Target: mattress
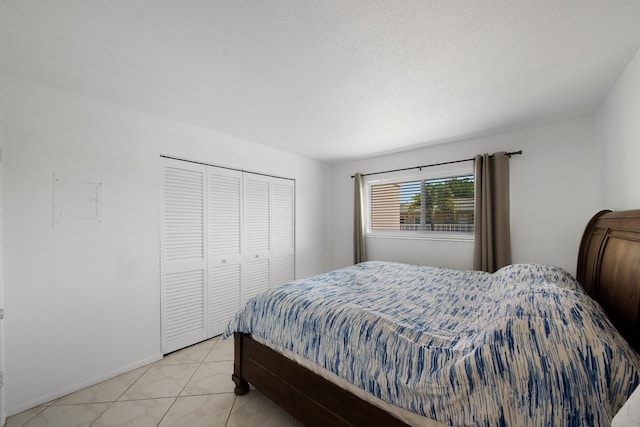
[(522, 346)]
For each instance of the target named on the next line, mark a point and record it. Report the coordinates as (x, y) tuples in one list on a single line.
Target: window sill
[(435, 236)]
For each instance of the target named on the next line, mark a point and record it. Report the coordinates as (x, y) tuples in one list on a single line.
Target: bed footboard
[(308, 397)]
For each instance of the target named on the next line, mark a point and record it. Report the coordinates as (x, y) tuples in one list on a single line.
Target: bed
[(526, 345)]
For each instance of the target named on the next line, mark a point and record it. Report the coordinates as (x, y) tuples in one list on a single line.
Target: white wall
[(618, 121), (553, 194), (3, 412), (84, 304)]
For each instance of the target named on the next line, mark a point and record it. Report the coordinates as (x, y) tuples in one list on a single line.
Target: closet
[(226, 235)]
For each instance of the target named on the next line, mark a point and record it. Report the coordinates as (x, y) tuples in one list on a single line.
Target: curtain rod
[(509, 154)]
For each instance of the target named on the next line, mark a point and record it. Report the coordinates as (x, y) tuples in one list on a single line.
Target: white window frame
[(433, 172)]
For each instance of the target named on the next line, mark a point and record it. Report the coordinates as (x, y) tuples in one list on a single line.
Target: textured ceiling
[(329, 79)]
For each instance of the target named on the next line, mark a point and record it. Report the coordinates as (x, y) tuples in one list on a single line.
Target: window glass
[(432, 205)]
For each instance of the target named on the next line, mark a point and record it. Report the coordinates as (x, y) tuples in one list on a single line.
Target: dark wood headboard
[(609, 268)]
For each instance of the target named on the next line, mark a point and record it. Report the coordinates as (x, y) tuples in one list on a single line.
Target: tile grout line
[(192, 375), (35, 415), (111, 403), (178, 395), (185, 384), (235, 397), (102, 413), (121, 394), (131, 385), (167, 411)]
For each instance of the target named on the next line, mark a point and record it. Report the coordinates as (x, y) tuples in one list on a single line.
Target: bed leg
[(242, 386)]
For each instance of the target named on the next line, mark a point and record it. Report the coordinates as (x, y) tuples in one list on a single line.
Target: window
[(424, 205)]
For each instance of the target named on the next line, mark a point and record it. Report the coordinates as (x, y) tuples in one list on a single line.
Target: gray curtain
[(492, 246), (359, 249)]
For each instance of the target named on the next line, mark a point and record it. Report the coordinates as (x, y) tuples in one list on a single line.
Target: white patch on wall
[(77, 203)]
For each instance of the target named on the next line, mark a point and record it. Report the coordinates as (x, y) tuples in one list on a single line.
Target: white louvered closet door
[(226, 236), (257, 223), (183, 252), (282, 231), (225, 246)]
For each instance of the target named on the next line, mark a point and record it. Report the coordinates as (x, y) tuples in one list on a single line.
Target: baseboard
[(73, 388)]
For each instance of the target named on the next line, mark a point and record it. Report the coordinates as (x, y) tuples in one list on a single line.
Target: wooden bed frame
[(608, 269)]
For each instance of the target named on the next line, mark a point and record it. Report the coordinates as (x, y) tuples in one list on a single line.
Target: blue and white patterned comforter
[(524, 346)]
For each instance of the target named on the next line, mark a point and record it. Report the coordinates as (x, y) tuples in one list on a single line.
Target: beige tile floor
[(191, 387)]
